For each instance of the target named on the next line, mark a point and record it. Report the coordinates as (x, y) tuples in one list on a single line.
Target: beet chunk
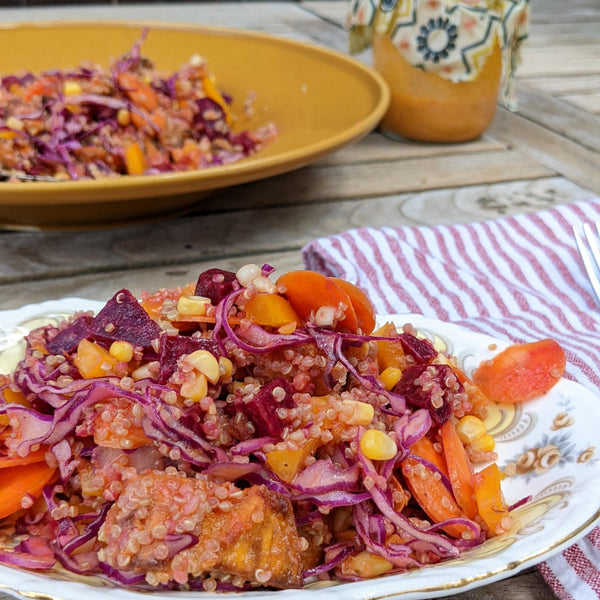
[(173, 347), (434, 387), (215, 284), (421, 350), (262, 408), (67, 340), (124, 319)]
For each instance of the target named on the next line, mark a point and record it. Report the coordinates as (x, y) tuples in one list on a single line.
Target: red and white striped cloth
[(517, 278)]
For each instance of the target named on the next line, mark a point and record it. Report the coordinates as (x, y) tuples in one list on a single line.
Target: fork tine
[(590, 253)]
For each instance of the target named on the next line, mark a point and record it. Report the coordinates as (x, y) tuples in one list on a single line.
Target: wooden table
[(546, 153)]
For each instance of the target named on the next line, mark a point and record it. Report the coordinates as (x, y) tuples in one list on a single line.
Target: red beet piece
[(124, 319), (67, 340), (422, 350), (215, 284), (173, 347), (262, 409), (426, 386)]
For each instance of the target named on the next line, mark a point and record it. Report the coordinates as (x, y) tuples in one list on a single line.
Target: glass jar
[(447, 63)]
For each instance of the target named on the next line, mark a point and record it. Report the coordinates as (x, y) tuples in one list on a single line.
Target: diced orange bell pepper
[(286, 464), (389, 354), (490, 502), (91, 360), (272, 310), (135, 159)]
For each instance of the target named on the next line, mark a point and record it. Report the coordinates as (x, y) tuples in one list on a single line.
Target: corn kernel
[(225, 367), (122, 351), (205, 363), (189, 306), (377, 445), (196, 388), (484, 443), (390, 377), (123, 117), (362, 412), (71, 88), (469, 428), (14, 123)]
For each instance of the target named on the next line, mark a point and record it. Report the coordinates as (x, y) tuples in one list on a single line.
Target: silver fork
[(588, 244)]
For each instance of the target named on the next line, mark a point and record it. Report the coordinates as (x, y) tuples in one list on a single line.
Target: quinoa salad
[(91, 122), (245, 432)]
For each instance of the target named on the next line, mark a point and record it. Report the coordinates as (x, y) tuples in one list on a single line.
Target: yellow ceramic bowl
[(319, 100)]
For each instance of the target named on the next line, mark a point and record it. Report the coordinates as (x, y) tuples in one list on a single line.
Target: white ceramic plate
[(548, 441)]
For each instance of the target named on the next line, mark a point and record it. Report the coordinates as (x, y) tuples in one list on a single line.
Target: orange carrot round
[(521, 371), (365, 314), (308, 291)]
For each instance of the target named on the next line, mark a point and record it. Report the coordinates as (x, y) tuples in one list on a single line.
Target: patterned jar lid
[(451, 39)]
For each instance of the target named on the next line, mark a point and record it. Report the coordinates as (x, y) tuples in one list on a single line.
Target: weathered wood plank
[(317, 184), (233, 237), (587, 102), (557, 86), (377, 147), (556, 60), (568, 158), (559, 117)]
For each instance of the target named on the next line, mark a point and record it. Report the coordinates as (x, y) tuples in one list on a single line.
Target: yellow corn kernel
[(377, 445), (71, 88), (205, 363), (225, 367), (484, 443), (8, 135), (196, 388), (123, 117), (14, 123), (390, 377), (362, 412), (122, 351), (192, 306), (469, 428)]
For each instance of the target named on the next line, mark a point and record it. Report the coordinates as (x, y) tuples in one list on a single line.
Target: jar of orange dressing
[(447, 63)]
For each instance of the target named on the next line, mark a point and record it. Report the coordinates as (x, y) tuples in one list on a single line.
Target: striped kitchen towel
[(517, 278)]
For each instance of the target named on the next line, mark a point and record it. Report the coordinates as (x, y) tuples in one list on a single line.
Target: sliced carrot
[(308, 291), (22, 480), (521, 371), (272, 310), (459, 469), (431, 493), (139, 92), (14, 461), (490, 502), (365, 313), (210, 319)]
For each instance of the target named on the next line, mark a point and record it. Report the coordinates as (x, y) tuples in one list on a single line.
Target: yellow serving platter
[(319, 100)]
